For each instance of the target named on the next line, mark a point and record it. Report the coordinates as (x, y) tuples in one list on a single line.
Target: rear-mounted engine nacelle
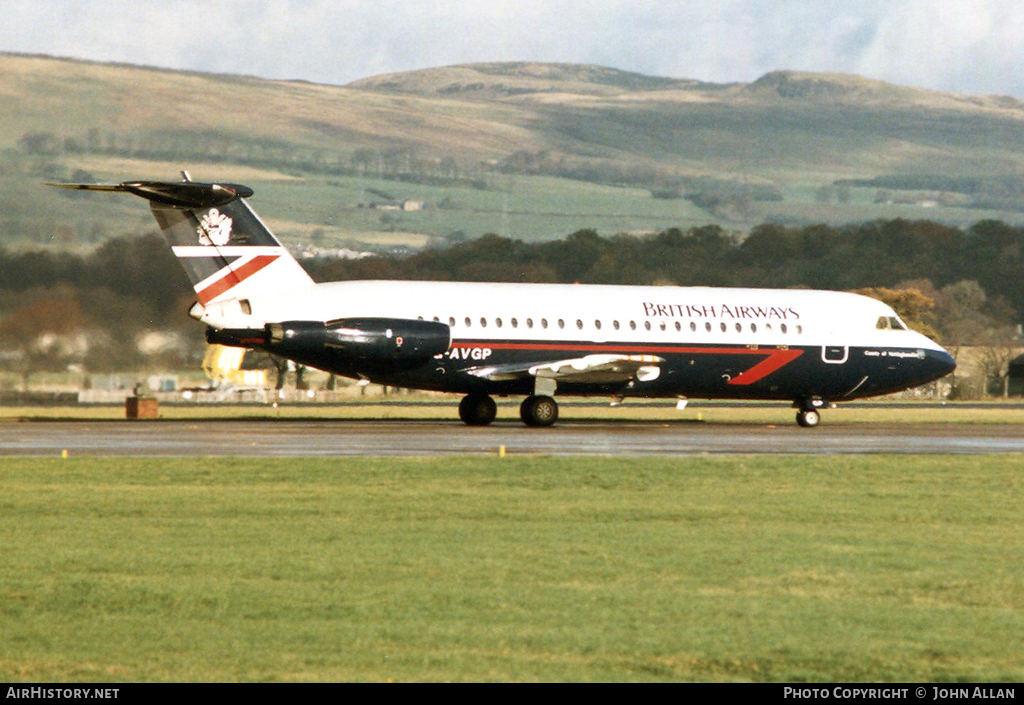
[(385, 343)]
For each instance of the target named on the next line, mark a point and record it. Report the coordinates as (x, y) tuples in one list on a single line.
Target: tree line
[(987, 258), (120, 307), (997, 191), (399, 163)]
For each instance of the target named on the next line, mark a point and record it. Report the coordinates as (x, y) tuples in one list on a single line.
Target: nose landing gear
[(808, 418), (808, 415)]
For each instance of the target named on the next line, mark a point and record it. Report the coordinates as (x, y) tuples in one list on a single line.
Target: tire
[(477, 410), (808, 418), (538, 411)]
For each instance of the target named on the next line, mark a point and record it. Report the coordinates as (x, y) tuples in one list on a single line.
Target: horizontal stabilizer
[(228, 253), (183, 194)]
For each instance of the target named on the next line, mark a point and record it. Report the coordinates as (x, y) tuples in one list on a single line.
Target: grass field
[(748, 569)]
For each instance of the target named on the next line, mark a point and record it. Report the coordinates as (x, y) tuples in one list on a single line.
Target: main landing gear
[(480, 410), (477, 410), (538, 411)]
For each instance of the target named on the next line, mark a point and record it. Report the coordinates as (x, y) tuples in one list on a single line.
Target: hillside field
[(531, 151)]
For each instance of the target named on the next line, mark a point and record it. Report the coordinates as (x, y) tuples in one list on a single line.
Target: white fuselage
[(591, 313)]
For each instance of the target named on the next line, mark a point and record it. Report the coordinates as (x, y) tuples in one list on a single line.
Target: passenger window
[(663, 325), (753, 327), (693, 327), (451, 321), (615, 325), (469, 323), (724, 328), (632, 325), (436, 319), (529, 323), (707, 327), (799, 330), (497, 322), (579, 324), (647, 325), (515, 323), (543, 323), (679, 326), (597, 325), (783, 327), (561, 323), (739, 327), (483, 322)]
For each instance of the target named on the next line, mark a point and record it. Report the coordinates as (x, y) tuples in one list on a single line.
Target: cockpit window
[(889, 323)]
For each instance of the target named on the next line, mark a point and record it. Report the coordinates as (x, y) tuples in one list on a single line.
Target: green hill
[(529, 150), (852, 124)]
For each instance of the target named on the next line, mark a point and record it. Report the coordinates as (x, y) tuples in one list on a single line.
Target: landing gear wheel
[(808, 418), (538, 411), (477, 409)]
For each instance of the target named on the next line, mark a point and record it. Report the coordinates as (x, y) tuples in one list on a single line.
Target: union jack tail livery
[(226, 250)]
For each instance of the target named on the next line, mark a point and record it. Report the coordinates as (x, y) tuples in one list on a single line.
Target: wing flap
[(589, 369)]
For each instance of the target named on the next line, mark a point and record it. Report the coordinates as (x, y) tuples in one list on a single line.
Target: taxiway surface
[(284, 438)]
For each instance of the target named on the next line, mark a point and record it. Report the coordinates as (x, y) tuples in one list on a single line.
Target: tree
[(42, 142), (960, 308), (966, 316), (46, 333), (910, 303)]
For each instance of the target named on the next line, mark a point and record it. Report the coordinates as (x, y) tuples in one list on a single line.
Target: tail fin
[(226, 250)]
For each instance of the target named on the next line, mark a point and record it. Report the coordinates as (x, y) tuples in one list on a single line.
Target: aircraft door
[(835, 354)]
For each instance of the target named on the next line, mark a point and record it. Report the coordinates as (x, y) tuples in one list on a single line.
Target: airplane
[(814, 348)]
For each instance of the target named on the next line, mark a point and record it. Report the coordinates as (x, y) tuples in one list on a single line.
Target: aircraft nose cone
[(940, 363)]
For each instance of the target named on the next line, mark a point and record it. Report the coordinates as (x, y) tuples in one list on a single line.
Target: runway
[(328, 438)]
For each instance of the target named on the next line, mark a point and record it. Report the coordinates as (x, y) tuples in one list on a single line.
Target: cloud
[(961, 45), (968, 46)]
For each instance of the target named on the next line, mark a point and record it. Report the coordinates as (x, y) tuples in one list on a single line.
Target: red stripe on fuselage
[(774, 358), (234, 277), (777, 359)]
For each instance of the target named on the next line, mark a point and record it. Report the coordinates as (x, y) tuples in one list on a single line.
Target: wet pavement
[(305, 438)]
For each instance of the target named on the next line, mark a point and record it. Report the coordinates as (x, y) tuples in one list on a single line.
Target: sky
[(965, 46)]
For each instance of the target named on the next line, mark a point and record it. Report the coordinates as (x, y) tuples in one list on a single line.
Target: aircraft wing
[(589, 369)]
